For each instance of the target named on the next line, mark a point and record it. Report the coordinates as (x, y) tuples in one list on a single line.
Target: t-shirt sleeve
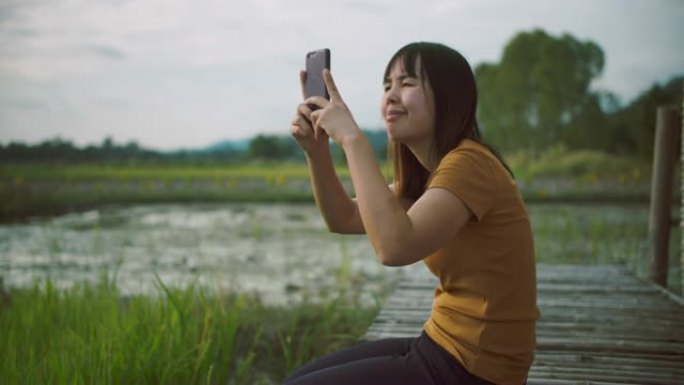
[(467, 174)]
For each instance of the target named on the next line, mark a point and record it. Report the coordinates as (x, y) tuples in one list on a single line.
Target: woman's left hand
[(333, 117)]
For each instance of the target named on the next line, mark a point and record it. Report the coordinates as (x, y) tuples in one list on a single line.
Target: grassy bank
[(556, 175), (89, 335), (39, 189)]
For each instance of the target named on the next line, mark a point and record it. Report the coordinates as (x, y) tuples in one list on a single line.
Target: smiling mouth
[(392, 116)]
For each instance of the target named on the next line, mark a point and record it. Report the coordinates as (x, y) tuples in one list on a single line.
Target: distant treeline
[(537, 96), (260, 148)]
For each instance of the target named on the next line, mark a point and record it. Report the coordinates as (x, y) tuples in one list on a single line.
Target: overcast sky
[(180, 73)]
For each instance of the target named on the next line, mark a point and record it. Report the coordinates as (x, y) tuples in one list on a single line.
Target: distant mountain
[(228, 145), (377, 139)]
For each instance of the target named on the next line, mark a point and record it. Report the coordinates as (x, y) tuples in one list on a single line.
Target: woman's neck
[(423, 151)]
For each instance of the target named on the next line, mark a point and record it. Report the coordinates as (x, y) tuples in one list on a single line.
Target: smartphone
[(316, 61)]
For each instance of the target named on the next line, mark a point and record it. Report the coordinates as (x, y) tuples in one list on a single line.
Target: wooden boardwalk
[(598, 325)]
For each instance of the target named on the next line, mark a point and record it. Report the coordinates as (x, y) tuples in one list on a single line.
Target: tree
[(540, 87), (634, 125), (270, 147)]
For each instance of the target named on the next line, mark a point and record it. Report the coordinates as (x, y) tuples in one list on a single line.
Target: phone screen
[(316, 61)]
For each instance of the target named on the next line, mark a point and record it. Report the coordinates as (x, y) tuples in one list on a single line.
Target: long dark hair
[(455, 94)]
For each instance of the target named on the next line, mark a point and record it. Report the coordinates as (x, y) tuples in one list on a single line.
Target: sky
[(173, 74)]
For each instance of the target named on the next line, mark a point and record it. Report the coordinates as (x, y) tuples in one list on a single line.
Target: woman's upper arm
[(435, 217)]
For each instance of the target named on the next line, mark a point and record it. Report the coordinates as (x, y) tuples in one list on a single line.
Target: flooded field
[(282, 252)]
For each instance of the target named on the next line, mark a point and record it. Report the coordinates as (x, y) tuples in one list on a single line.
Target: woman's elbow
[(337, 229), (390, 262), (334, 226), (392, 258)]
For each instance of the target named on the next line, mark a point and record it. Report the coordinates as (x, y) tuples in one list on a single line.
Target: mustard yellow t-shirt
[(485, 308)]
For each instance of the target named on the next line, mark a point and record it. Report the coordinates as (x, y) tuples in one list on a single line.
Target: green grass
[(25, 202), (585, 166), (555, 162), (90, 334), (176, 172), (47, 189), (589, 234)]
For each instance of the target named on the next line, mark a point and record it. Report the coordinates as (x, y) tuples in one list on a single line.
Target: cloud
[(191, 72), (106, 51)]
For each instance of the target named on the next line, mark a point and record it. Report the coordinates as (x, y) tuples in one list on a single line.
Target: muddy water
[(281, 252)]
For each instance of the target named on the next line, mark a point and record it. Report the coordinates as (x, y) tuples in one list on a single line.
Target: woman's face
[(407, 106)]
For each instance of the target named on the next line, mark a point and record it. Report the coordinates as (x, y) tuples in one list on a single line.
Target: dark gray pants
[(396, 361)]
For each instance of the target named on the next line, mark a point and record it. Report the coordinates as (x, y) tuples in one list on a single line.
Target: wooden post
[(664, 158), (681, 213)]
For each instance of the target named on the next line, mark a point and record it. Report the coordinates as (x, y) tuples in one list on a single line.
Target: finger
[(302, 122), (332, 88), (301, 129), (315, 120), (304, 111), (315, 117), (302, 81), (317, 101), (299, 132)]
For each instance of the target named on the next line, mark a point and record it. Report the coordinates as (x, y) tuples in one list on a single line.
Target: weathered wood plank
[(657, 362), (598, 325)]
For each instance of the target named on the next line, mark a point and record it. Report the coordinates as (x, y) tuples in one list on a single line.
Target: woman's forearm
[(336, 206), (382, 213)]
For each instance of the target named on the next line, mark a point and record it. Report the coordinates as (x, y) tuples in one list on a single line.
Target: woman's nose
[(392, 94)]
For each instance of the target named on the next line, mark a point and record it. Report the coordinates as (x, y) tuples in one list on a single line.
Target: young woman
[(453, 204)]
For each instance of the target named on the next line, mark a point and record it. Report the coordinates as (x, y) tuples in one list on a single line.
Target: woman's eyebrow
[(400, 78)]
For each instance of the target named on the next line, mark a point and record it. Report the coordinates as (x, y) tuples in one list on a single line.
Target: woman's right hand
[(302, 129)]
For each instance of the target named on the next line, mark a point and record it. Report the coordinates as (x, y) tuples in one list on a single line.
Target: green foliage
[(539, 95), (58, 150), (632, 129), (91, 334), (590, 234), (271, 147), (261, 148), (540, 86), (47, 189), (561, 163), (147, 172)]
